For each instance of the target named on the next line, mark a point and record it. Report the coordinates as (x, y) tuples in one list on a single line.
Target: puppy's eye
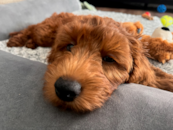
[(69, 46), (108, 59)]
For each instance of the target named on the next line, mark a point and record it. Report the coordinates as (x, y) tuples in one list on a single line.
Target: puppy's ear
[(52, 55), (141, 72)]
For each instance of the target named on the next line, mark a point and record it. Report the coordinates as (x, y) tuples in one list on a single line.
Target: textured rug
[(40, 53)]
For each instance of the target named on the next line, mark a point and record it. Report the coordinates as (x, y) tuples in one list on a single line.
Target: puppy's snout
[(67, 90)]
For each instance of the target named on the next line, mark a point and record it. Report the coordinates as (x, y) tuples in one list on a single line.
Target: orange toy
[(134, 28), (147, 15), (159, 45)]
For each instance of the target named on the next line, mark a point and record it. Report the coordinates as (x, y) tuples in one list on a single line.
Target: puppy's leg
[(42, 34), (18, 39), (30, 44)]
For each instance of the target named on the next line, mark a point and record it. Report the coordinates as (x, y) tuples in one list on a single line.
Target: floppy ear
[(142, 72)]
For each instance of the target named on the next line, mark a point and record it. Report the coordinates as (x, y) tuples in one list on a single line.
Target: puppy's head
[(87, 63)]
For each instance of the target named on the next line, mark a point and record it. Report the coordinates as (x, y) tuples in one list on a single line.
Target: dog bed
[(40, 53), (130, 107)]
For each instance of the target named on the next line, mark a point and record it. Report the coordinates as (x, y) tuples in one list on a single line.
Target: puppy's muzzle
[(67, 90)]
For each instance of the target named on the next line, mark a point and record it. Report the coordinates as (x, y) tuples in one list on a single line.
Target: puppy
[(90, 57)]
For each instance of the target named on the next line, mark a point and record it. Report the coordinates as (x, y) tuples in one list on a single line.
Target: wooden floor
[(136, 12)]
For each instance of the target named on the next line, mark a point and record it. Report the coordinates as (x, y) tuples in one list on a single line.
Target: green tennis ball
[(166, 20)]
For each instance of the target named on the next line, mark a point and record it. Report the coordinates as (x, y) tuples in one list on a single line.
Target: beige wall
[(8, 1)]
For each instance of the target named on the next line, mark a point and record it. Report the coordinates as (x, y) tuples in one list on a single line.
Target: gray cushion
[(17, 16), (22, 107)]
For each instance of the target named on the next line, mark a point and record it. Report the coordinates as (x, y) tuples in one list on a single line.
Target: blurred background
[(134, 6)]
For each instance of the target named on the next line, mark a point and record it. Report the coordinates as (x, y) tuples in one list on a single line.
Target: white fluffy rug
[(40, 53)]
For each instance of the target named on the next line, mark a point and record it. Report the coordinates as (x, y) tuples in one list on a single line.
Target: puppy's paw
[(30, 44), (16, 41)]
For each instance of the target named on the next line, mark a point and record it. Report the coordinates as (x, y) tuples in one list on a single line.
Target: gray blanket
[(22, 106)]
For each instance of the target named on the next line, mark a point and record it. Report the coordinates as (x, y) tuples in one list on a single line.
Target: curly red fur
[(159, 49), (93, 37)]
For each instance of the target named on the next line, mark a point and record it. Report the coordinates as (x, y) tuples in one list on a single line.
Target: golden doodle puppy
[(90, 57)]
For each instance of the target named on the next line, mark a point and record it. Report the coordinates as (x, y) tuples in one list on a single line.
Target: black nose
[(67, 90)]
